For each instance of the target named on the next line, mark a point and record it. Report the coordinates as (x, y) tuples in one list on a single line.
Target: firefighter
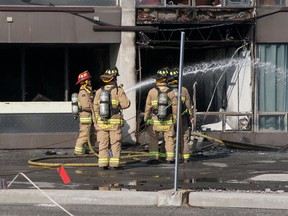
[(108, 103), (187, 113), (86, 127), (160, 116)]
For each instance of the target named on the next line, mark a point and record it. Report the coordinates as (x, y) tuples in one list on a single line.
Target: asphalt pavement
[(214, 177)]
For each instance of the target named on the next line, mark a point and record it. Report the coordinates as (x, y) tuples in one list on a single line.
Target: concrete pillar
[(126, 64)]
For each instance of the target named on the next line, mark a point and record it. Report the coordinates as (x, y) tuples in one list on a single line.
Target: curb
[(225, 199), (89, 197), (239, 200), (92, 197)]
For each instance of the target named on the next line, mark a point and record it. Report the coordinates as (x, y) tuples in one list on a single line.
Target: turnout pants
[(169, 143), (83, 136), (109, 138)]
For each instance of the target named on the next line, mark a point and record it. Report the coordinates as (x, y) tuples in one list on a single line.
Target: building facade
[(44, 46), (234, 67)]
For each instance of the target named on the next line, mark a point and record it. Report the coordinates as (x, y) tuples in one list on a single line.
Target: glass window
[(272, 84), (237, 2), (60, 2), (150, 2), (163, 2), (271, 2), (177, 2)]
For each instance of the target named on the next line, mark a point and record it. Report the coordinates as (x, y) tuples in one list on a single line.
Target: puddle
[(127, 186), (211, 164), (205, 180), (265, 161), (271, 177)]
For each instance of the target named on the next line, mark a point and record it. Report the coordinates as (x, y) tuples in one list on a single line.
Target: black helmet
[(173, 74), (109, 74), (162, 74)]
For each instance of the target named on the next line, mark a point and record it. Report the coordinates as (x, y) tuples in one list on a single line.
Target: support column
[(127, 67)]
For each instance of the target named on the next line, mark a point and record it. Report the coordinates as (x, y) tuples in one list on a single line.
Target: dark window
[(48, 72), (10, 82)]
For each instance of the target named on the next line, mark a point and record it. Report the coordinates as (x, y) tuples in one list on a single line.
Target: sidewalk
[(212, 179)]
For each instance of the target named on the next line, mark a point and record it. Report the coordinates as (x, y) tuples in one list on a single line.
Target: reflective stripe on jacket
[(86, 119)]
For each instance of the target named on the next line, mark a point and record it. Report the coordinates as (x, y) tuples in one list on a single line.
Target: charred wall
[(211, 34)]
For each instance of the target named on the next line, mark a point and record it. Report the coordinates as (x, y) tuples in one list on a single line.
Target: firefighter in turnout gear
[(187, 113), (110, 99), (160, 115), (85, 106)]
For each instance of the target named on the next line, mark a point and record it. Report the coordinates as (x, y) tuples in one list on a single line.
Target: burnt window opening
[(48, 72)]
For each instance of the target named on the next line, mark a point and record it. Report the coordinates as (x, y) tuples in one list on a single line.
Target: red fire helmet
[(83, 76)]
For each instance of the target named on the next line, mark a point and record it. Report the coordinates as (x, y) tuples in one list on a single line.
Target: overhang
[(58, 24)]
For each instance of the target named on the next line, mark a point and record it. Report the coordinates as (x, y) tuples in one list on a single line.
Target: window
[(271, 3), (60, 2), (272, 85), (163, 2), (46, 72), (237, 2), (177, 2), (150, 2), (185, 3)]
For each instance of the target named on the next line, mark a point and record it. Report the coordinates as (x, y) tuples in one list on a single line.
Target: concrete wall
[(58, 27), (272, 29), (126, 64)]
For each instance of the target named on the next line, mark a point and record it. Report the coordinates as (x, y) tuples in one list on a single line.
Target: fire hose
[(134, 156)]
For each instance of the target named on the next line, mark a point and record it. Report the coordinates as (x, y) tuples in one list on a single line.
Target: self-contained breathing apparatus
[(105, 104), (75, 107), (163, 106), (183, 106), (106, 109)]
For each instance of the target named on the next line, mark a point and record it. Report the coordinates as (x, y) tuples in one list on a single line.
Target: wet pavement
[(213, 169)]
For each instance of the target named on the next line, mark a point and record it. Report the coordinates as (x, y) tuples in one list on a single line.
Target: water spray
[(225, 71)]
